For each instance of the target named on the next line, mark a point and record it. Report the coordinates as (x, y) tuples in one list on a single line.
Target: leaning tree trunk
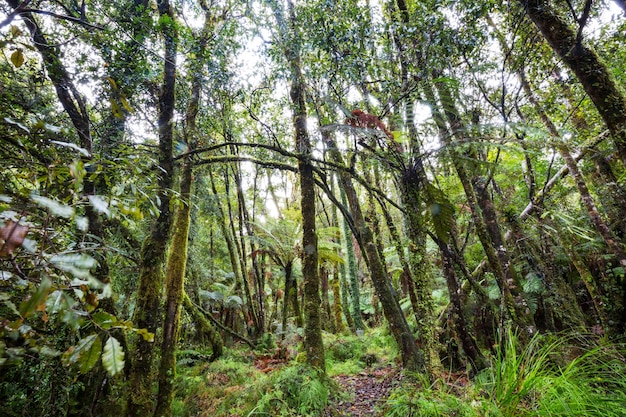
[(313, 344), (153, 251), (412, 356), (592, 73), (483, 216)]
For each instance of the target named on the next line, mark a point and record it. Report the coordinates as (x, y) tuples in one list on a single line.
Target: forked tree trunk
[(153, 251)]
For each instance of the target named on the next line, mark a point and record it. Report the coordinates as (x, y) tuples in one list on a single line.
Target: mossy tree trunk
[(204, 327), (313, 344), (177, 261), (592, 73), (174, 278), (514, 307), (351, 270), (153, 252)]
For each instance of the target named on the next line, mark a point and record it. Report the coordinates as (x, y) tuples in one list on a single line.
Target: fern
[(439, 210)]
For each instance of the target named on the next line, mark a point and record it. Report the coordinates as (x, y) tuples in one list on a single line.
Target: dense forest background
[(213, 207)]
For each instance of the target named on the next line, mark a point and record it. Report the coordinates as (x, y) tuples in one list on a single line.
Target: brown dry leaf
[(12, 236)]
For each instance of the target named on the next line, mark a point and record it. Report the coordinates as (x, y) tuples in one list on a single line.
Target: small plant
[(292, 391)]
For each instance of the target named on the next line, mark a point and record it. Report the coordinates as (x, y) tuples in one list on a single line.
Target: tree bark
[(616, 306), (513, 307), (351, 270), (204, 328)]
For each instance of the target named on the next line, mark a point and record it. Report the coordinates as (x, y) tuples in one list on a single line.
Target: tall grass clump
[(557, 376)]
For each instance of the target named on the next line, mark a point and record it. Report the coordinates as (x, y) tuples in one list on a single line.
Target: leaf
[(86, 353), (90, 357), (15, 31), (116, 109), (233, 301), (59, 301), (37, 299), (104, 319), (125, 103), (99, 204), (12, 236), (440, 211), (78, 265), (17, 58), (83, 151), (147, 336), (56, 208), (113, 356), (211, 296), (14, 123)]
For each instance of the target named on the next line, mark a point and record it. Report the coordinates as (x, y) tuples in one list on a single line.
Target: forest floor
[(366, 392)]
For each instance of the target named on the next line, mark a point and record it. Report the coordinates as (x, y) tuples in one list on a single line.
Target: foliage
[(294, 390)]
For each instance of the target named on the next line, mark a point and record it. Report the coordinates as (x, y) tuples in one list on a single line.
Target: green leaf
[(233, 301), (76, 264), (77, 148), (147, 336), (14, 123), (86, 353), (15, 31), (90, 357), (113, 356), (440, 211), (17, 58), (38, 299), (104, 319), (59, 301)]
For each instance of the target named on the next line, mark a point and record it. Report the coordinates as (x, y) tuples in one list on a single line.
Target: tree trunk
[(174, 278), (592, 73), (477, 360), (153, 251), (351, 270), (204, 327), (616, 304), (328, 319), (313, 344)]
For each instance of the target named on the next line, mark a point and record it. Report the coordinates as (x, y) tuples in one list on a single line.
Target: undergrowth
[(550, 376)]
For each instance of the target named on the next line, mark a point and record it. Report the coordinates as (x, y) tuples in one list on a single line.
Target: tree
[(312, 331)]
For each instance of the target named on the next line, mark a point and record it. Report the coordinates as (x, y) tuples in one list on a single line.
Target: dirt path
[(367, 391)]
